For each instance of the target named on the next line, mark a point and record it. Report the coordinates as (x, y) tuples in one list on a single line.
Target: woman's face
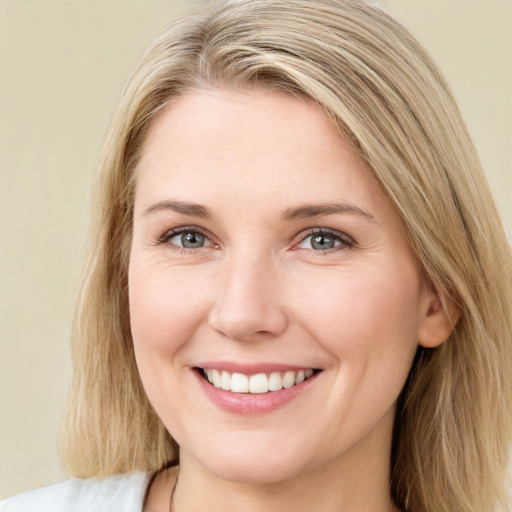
[(263, 255)]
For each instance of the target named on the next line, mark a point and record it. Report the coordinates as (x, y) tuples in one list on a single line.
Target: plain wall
[(62, 66)]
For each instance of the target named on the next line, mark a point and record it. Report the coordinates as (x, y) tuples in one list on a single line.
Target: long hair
[(382, 91)]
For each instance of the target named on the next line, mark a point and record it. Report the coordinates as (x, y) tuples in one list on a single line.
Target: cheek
[(165, 312), (166, 307), (367, 322), (363, 313)]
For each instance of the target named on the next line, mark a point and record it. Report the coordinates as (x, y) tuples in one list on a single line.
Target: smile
[(258, 383)]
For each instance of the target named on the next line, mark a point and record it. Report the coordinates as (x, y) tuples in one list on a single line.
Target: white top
[(118, 493)]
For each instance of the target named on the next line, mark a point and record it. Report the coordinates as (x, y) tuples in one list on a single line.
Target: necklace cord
[(171, 498)]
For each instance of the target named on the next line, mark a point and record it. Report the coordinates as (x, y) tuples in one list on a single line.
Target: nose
[(248, 301)]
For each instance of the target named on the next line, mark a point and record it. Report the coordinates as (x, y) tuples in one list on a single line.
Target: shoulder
[(122, 493)]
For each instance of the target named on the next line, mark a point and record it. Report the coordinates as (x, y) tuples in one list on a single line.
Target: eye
[(323, 240), (187, 238)]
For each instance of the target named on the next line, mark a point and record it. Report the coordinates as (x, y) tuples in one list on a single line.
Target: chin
[(255, 472), (253, 463)]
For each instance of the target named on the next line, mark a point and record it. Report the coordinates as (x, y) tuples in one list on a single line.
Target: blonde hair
[(380, 88)]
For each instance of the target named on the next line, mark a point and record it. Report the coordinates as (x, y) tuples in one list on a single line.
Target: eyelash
[(346, 242), (168, 235)]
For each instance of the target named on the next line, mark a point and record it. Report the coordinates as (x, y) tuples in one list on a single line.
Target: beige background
[(62, 65)]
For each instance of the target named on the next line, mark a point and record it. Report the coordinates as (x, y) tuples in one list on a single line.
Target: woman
[(298, 290)]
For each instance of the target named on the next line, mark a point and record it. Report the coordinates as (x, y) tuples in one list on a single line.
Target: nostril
[(251, 326)]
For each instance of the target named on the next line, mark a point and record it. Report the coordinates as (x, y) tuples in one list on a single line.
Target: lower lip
[(251, 404)]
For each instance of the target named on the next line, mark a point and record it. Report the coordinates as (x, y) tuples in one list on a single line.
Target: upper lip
[(251, 368)]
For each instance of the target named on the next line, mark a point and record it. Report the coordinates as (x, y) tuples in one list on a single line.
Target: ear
[(438, 317)]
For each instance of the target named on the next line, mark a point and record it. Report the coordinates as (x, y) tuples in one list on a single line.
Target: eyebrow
[(296, 213), (317, 210), (190, 209)]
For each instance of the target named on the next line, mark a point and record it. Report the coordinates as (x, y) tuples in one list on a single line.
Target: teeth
[(258, 383), (301, 375), (275, 382), (216, 378), (288, 380), (225, 381), (239, 383)]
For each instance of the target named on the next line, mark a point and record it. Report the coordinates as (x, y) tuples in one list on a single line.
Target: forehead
[(219, 143)]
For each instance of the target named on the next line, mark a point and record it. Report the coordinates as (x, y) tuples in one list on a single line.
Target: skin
[(259, 291)]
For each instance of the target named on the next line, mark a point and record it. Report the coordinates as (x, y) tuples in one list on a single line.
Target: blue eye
[(187, 238), (324, 241)]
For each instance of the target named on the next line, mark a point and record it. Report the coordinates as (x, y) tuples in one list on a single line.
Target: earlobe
[(438, 320)]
